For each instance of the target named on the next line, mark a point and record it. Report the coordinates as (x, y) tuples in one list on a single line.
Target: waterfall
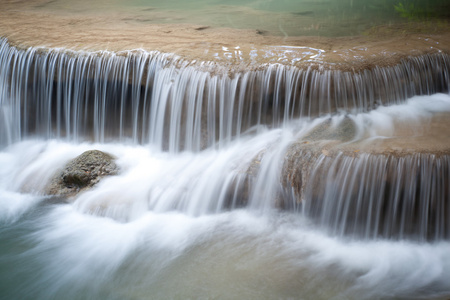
[(175, 105), (222, 141), (268, 182), (388, 196)]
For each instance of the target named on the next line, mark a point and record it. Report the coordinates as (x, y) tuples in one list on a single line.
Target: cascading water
[(160, 99), (383, 195), (249, 185)]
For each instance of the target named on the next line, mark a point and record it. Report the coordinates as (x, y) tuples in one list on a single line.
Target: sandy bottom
[(31, 24)]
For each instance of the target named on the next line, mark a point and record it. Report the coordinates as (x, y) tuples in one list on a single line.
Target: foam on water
[(164, 232), (196, 183), (185, 223), (229, 255)]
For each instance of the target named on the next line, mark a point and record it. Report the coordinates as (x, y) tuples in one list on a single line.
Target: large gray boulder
[(82, 172)]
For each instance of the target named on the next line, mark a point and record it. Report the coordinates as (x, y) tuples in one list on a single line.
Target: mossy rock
[(82, 172)]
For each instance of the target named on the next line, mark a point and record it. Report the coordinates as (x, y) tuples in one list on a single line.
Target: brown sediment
[(31, 24)]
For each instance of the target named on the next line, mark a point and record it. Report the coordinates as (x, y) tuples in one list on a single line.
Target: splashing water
[(195, 216)]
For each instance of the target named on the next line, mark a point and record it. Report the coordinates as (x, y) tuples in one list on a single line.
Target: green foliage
[(410, 11), (420, 10)]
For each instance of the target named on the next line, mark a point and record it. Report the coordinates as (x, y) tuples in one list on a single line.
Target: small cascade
[(388, 196), (233, 135), (160, 99), (278, 165)]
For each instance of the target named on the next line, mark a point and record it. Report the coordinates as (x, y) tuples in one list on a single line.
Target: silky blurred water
[(161, 228), (155, 231), (54, 252)]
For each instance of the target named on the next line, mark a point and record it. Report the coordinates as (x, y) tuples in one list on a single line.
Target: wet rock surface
[(344, 131), (23, 22), (83, 172)]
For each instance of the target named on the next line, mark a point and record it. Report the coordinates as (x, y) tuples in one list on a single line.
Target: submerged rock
[(343, 131), (82, 172)]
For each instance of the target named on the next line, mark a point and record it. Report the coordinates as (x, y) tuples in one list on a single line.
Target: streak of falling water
[(221, 222), (149, 97), (372, 196)]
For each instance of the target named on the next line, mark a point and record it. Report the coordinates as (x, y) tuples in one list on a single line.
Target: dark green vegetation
[(418, 10)]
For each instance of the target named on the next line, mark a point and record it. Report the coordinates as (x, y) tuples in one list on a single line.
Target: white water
[(176, 105), (159, 229), (67, 255)]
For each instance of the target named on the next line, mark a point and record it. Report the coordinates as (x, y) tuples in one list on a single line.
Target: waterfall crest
[(163, 100)]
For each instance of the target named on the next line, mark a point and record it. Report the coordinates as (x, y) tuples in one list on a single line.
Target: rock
[(344, 131), (82, 172), (239, 189)]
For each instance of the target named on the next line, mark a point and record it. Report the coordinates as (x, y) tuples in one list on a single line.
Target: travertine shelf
[(31, 25)]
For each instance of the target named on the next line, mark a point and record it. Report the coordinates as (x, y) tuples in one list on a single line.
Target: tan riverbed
[(38, 23)]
